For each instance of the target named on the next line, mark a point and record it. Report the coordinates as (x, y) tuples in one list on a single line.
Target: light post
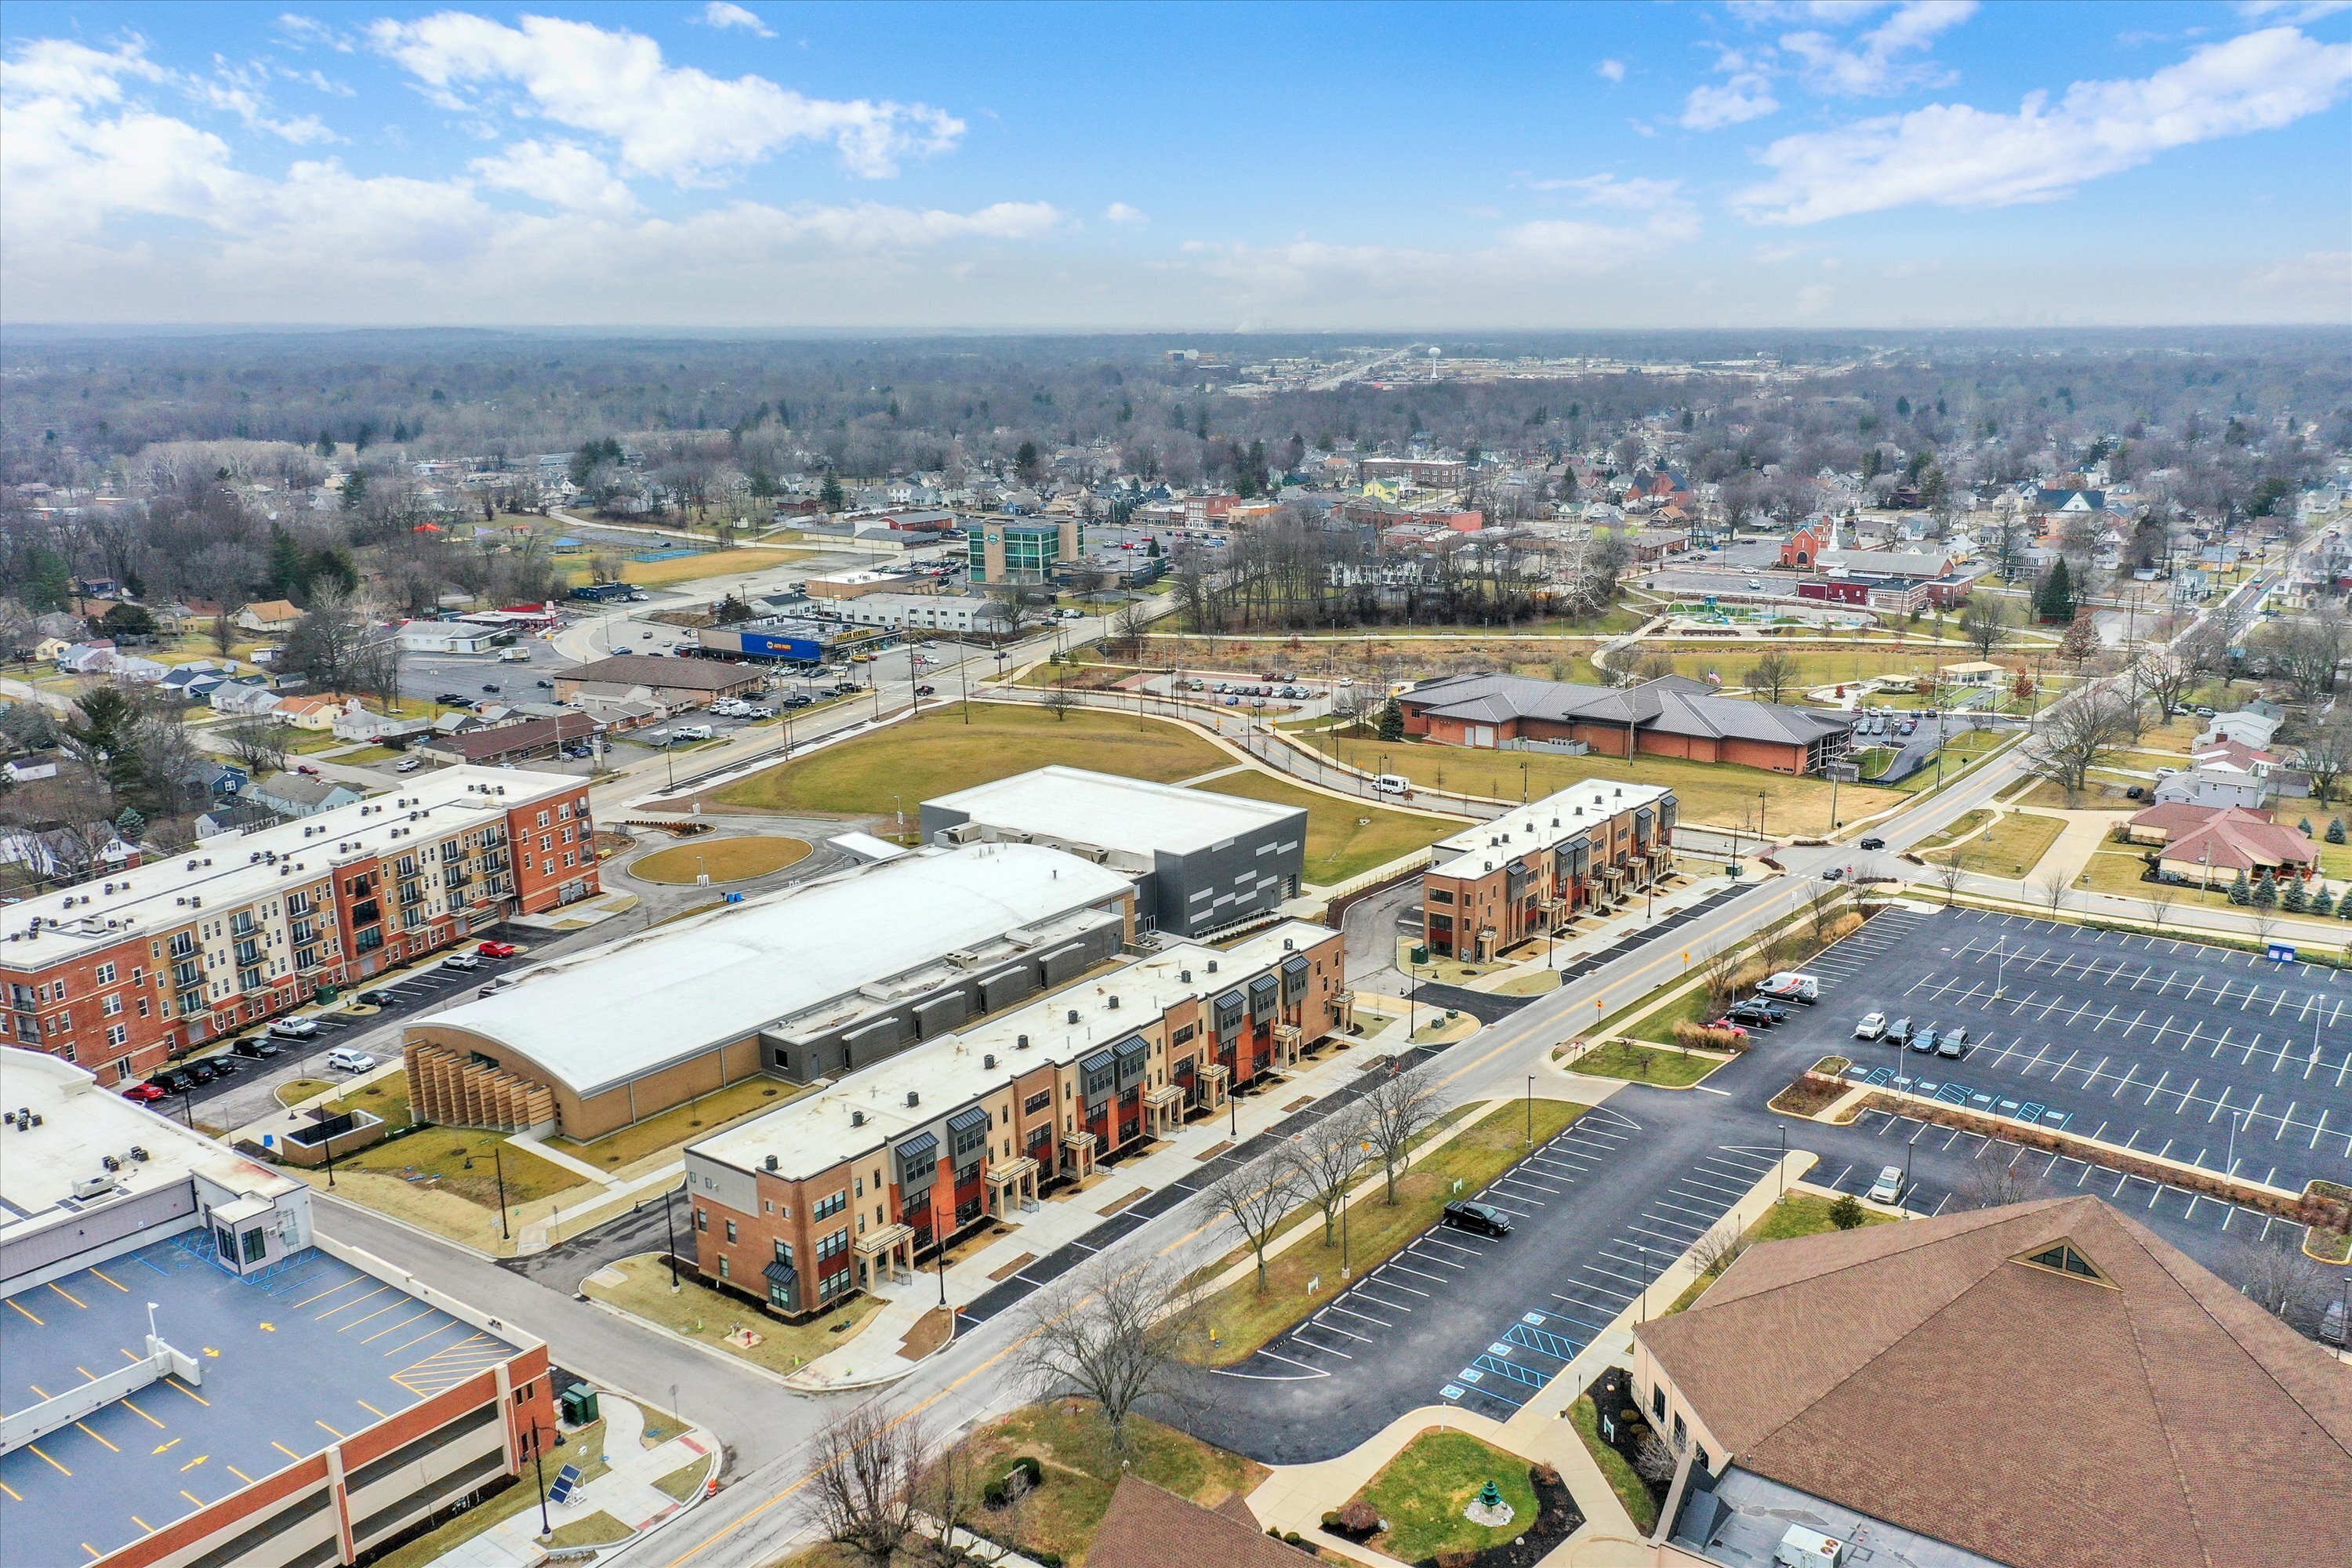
[(1759, 814), (540, 1472), (669, 1233), (499, 1166), (1531, 1111), (2001, 966), (1782, 1127), (2237, 1119)]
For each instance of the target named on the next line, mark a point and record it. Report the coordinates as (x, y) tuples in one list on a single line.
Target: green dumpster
[(579, 1405)]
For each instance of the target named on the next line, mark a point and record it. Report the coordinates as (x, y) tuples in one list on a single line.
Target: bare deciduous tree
[(2077, 735), (2165, 677), (259, 744), (2160, 898), (867, 1467), (1950, 873), (1326, 1159), (2049, 890), (1717, 1250), (2283, 1280), (1258, 1198), (1985, 623), (1115, 1336), (1399, 1110), (2327, 754), (1993, 1185), (1771, 676), (1652, 1460), (1059, 700)]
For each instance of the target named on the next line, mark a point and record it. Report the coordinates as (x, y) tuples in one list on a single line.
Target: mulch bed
[(1556, 1518), (1612, 1393)]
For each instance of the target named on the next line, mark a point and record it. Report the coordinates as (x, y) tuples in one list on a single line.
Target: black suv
[(1481, 1219), (1874, 844), (257, 1046), (1759, 1012), (1899, 1033)]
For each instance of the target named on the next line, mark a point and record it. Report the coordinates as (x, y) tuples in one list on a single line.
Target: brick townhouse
[(843, 1189), (1533, 869)]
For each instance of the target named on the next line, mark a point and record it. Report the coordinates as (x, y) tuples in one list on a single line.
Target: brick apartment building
[(119, 973), (1668, 717), (1531, 870), (843, 1189)]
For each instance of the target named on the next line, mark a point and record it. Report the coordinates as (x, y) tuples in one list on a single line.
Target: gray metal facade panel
[(918, 1160)]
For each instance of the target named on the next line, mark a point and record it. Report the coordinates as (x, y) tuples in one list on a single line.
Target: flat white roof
[(814, 1134), (82, 1123), (227, 871), (1539, 825), (613, 1012), (1074, 806)]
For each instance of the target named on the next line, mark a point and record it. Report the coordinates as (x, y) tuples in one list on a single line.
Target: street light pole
[(1531, 1111), (499, 1166), (669, 1233)]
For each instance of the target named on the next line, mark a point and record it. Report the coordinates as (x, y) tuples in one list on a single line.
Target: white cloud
[(1609, 191), (677, 123), (1610, 70), (1119, 212), (2291, 10), (1712, 106), (1954, 155), (1771, 255), (562, 174), (2324, 277), (1874, 64), (726, 14), (300, 32), (242, 90)]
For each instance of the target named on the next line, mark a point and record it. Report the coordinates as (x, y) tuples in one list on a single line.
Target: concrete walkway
[(627, 1491)]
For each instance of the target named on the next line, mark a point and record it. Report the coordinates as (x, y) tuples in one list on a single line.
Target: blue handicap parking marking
[(1981, 1101), (1512, 1371), (1857, 1071), (1498, 1348), (1544, 1342), (1927, 1086), (1902, 1083), (1953, 1094), (2031, 1110), (1470, 1374), (1451, 1391), (2056, 1117), (1880, 1077), (2008, 1108)]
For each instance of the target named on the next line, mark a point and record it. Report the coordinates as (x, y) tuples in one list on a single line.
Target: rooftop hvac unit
[(94, 1186), (1020, 1042), (1186, 976), (1802, 1547), (1073, 1015), (1111, 1003), (769, 1163), (1213, 966)]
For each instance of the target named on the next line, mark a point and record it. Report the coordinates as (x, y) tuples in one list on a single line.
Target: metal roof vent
[(1020, 1042), (913, 1097), (989, 1060), (857, 1119), (769, 1163)]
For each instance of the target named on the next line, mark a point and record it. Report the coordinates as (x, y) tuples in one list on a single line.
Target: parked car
[(295, 1028), (1834, 874), (925, 691), (1787, 986), (1899, 1033), (464, 960), (492, 686), (306, 770), (374, 998), (1752, 1011), (407, 765), (1888, 1188), (257, 1046), (497, 949), (172, 1081), (1874, 844), (199, 1072), (453, 700), (1737, 1031), (1872, 1027), (1480, 1219), (345, 1060), (145, 1093), (1924, 1041), (2134, 792)]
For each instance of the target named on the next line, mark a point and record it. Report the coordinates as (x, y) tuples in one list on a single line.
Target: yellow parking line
[(86, 1373), (240, 1474), (142, 1525), (284, 1449), (93, 1550), (12, 1491), (102, 1274), (53, 1464), (354, 1301), (38, 1389), (175, 1382), (329, 1291), (129, 1355), (330, 1430), (84, 1426), (378, 1312), (417, 1340), (398, 1326), (192, 1497), (19, 1306), (142, 1414), (371, 1409), (69, 1295)]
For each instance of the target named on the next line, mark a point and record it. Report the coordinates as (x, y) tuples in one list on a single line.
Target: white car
[(407, 765), (463, 960), (351, 1061), (1888, 1188), (295, 1028), (1872, 1027)]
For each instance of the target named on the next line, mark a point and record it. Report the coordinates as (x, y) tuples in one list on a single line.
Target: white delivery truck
[(1790, 986)]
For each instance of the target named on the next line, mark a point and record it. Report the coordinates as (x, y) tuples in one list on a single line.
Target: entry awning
[(781, 1275)]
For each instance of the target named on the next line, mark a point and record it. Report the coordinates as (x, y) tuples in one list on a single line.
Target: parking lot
[(2219, 1058)]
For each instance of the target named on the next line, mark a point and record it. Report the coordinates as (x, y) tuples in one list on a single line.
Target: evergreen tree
[(2055, 602), (288, 576), (326, 443), (355, 491), (2296, 898), (131, 825), (2323, 902), (1392, 721), (829, 497), (2304, 827), (2266, 891), (2335, 830), (2241, 893), (48, 581)]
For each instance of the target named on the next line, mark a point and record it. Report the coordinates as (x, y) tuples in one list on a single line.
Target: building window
[(257, 1245), (730, 1231), (1682, 1431), (726, 1269), (118, 1037), (110, 1006), (701, 1220), (1658, 1402), (829, 1206), (105, 975)]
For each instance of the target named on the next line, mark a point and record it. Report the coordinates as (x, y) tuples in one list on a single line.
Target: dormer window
[(2062, 1259)]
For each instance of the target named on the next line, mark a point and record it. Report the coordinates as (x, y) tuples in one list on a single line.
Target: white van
[(691, 732), (1790, 986), (1393, 783), (514, 656)]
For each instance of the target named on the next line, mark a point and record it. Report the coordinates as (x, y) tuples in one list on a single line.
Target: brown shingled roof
[(1149, 1528), (1920, 1373)]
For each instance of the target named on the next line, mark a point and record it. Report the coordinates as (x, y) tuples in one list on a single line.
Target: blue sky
[(1934, 163)]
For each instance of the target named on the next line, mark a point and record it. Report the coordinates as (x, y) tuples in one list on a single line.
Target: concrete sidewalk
[(626, 1490)]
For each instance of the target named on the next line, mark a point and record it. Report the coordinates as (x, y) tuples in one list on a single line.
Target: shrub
[(1030, 1469), (1846, 1212), (1358, 1520), (1293, 1538), (1699, 1036), (994, 1495)]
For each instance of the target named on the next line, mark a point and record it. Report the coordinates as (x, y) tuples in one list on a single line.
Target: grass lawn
[(598, 1529), (1343, 836), (939, 753), (1799, 1214), (1646, 1064), (301, 1088), (1630, 1492), (721, 860), (697, 1118), (1242, 1318), (1715, 794), (1691, 1007), (1422, 1491), (1968, 824), (437, 1156), (2096, 795), (386, 1098), (686, 1480), (694, 568), (703, 1315), (2014, 845), (365, 755), (1069, 1438), (584, 1448)]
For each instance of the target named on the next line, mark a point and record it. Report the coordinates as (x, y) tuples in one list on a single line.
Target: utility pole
[(499, 1167)]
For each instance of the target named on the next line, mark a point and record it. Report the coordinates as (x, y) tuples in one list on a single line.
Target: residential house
[(1147, 1526), (357, 722), (271, 617), (32, 765), (314, 713), (242, 699), (2231, 841), (2212, 786), (130, 669), (524, 741), (2162, 824), (234, 816), (2234, 756), (86, 658), (47, 649), (2249, 726), (293, 794)]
